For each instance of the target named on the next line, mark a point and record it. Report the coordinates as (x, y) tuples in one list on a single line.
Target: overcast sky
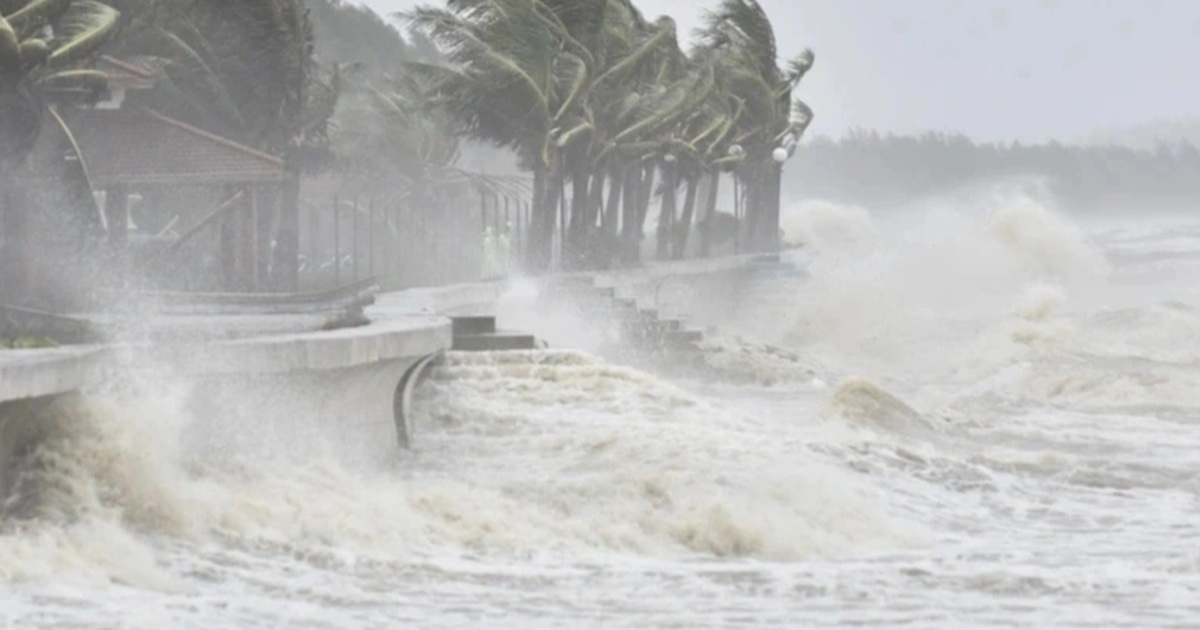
[(1029, 70)]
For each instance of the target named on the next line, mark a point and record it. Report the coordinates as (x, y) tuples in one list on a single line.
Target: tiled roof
[(124, 73), (140, 146)]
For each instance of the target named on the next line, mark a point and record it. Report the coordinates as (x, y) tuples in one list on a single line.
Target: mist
[(599, 313), (1024, 70)]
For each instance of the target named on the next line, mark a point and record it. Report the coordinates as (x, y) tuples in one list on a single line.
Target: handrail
[(356, 295)]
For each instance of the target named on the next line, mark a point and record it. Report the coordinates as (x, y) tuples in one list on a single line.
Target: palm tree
[(393, 141), (620, 123), (639, 91), (45, 47), (512, 81), (707, 139), (588, 92), (770, 123)]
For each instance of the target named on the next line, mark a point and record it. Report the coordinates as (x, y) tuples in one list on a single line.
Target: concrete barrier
[(318, 393), (307, 393)]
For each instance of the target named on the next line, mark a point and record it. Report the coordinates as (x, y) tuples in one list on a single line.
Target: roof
[(142, 147), (125, 74)]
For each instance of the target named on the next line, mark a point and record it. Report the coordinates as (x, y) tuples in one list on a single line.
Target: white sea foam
[(1007, 436)]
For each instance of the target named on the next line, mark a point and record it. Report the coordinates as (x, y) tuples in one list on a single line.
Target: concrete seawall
[(311, 393), (319, 393)]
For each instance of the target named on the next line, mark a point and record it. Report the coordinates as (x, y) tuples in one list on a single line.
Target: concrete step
[(494, 342), (781, 271), (681, 340), (647, 327), (576, 289), (462, 326)]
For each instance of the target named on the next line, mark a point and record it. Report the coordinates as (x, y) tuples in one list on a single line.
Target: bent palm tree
[(45, 46), (740, 35), (512, 82)]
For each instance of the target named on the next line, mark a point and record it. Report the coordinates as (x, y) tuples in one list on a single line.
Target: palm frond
[(36, 14), (81, 30), (83, 167)]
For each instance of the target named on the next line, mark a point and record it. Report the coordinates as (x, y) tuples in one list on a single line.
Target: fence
[(351, 238)]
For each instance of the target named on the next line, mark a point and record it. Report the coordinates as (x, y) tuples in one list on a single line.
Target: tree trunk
[(574, 251), (684, 228), (709, 222), (629, 214), (536, 249), (286, 270), (666, 212), (612, 208), (593, 235), (645, 192), (546, 193)]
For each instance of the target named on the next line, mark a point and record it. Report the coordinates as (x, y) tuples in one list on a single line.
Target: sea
[(976, 411)]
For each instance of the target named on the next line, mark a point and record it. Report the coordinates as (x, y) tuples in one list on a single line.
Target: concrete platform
[(494, 342), (26, 374), (276, 383), (287, 384)]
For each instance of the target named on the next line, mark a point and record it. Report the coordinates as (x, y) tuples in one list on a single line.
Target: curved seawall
[(312, 393)]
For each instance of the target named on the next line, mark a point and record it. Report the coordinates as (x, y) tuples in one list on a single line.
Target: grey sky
[(995, 69)]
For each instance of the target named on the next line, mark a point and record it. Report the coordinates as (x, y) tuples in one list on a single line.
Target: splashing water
[(1008, 438)]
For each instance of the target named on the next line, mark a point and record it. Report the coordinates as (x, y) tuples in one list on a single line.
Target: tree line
[(603, 108), (877, 171)]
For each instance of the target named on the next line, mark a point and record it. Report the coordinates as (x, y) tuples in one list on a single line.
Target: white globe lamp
[(780, 155)]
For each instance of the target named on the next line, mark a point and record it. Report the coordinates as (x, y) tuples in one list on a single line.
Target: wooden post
[(116, 214), (314, 242), (286, 270), (252, 246), (229, 225), (521, 234), (372, 226), (354, 239), (483, 218), (337, 242), (737, 214)]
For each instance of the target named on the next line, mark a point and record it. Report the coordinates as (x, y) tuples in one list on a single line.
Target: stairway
[(643, 333), (479, 334), (635, 331)]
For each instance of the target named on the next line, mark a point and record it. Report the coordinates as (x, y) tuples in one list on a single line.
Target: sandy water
[(993, 421)]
